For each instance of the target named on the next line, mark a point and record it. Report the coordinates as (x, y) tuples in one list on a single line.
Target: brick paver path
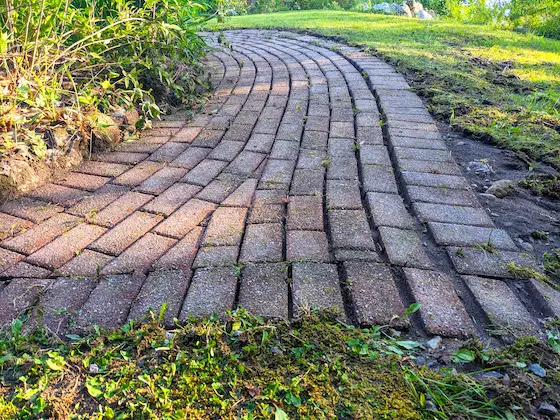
[(313, 177)]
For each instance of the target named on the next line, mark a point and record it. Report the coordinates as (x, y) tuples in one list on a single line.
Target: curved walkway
[(312, 178)]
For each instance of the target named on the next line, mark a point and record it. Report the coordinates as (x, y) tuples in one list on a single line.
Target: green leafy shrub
[(66, 61)]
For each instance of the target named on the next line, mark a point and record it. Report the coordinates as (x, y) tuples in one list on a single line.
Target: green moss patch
[(248, 368)]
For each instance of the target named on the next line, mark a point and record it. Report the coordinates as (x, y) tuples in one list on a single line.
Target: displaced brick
[(140, 256), (502, 307), (97, 201), (389, 210), (181, 256), (61, 302), (109, 303), (161, 288), (243, 195), (172, 198), (262, 243), (18, 296), (463, 235), (350, 229), (225, 227), (87, 263), (404, 248), (204, 172), (305, 213), (480, 261), (168, 152), (191, 157), (379, 178), (307, 246), (119, 209), (161, 180), (138, 174)]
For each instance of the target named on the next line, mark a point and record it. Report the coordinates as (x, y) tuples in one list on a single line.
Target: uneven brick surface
[(313, 178), (164, 287), (212, 291)]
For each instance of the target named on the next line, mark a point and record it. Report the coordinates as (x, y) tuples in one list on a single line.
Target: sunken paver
[(59, 305), (303, 245), (262, 243), (109, 303), (185, 218), (305, 213), (404, 248), (164, 287), (287, 173)]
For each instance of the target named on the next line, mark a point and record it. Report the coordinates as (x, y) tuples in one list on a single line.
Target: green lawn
[(496, 85)]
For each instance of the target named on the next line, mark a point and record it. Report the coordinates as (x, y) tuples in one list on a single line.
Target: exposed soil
[(521, 212)]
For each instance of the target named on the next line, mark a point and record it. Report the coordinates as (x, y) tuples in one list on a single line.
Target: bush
[(66, 61)]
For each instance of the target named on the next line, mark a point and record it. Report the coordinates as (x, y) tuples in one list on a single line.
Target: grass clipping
[(249, 368)]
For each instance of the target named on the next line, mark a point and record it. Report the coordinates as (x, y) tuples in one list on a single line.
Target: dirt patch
[(532, 220)]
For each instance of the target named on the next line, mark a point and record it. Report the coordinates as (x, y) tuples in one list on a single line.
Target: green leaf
[(463, 356), (409, 345), (412, 308), (93, 386), (280, 414), (55, 364)]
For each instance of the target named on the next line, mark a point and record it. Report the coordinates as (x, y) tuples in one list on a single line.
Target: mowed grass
[(495, 85)]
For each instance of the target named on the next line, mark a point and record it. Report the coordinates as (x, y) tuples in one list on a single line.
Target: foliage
[(247, 368), (496, 85), (65, 61)]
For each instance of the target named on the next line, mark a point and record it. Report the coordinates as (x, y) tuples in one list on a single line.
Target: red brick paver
[(286, 192)]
